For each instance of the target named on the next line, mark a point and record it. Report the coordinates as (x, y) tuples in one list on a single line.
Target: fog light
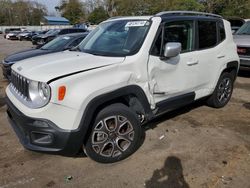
[(41, 138)]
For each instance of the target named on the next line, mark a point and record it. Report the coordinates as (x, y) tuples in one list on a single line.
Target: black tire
[(117, 138), (223, 91)]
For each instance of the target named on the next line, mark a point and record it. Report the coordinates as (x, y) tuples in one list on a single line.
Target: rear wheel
[(115, 135), (223, 91)]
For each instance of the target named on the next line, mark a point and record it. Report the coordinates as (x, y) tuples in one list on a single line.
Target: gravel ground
[(195, 146)]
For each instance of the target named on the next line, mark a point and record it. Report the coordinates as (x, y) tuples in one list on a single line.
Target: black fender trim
[(233, 64), (99, 101)]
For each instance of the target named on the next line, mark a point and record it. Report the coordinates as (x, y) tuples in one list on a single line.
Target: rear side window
[(221, 31), (207, 34)]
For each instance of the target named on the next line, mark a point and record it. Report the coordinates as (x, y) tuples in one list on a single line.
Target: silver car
[(242, 40)]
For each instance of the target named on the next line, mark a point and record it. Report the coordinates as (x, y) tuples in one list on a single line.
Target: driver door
[(173, 77)]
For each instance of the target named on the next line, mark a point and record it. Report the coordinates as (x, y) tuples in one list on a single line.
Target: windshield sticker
[(136, 24), (66, 38)]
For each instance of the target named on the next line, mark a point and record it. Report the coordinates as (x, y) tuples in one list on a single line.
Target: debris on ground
[(68, 178), (224, 162), (161, 137), (225, 179)]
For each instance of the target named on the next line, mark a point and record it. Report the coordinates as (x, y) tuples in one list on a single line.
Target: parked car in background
[(1, 32), (10, 30), (34, 33), (60, 43), (51, 34), (236, 23), (13, 35), (23, 35), (242, 40)]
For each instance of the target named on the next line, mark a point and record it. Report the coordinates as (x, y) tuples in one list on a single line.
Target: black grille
[(245, 51), (20, 84)]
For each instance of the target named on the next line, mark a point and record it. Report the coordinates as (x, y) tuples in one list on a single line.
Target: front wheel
[(223, 91), (115, 135)]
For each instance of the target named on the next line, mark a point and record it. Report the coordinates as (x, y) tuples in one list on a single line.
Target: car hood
[(25, 54), (53, 66), (242, 40)]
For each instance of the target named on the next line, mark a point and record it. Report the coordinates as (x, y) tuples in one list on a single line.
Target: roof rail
[(195, 13)]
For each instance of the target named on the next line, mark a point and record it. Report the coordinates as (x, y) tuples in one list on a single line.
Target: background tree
[(98, 15), (73, 10)]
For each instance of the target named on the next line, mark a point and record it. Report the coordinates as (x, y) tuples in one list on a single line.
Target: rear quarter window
[(222, 32), (207, 32)]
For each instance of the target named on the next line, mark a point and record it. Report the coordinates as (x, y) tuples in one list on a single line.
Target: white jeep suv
[(126, 72)]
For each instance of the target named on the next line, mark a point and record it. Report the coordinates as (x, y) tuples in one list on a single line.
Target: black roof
[(188, 13)]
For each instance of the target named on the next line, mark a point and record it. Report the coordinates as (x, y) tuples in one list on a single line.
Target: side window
[(207, 34), (180, 31), (221, 31), (177, 31)]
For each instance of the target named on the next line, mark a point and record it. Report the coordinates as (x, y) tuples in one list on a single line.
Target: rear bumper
[(244, 61), (43, 135)]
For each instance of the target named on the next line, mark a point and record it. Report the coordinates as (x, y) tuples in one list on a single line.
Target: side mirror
[(172, 49)]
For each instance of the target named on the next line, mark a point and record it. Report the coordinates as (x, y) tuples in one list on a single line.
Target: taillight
[(241, 50)]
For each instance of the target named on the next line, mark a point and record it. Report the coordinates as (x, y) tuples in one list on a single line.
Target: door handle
[(191, 63), (220, 56)]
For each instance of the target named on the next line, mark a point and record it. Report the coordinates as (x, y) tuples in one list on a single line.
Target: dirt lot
[(196, 146)]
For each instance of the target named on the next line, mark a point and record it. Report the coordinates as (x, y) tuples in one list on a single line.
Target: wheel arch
[(132, 96), (232, 67)]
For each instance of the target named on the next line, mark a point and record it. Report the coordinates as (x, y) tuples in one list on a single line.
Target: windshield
[(116, 38), (244, 30), (57, 43)]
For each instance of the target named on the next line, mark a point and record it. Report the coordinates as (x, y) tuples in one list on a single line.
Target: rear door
[(210, 52)]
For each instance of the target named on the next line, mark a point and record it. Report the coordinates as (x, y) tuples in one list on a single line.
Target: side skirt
[(174, 103)]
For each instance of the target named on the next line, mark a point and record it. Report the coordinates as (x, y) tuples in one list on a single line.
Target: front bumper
[(13, 38), (43, 135)]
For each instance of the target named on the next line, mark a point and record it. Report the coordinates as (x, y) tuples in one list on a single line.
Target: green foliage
[(98, 15), (73, 10), (190, 5)]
